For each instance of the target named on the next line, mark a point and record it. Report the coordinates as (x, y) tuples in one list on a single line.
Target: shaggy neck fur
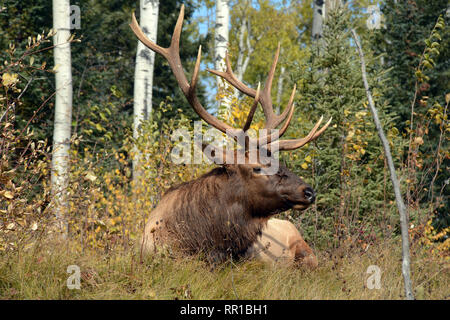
[(213, 215)]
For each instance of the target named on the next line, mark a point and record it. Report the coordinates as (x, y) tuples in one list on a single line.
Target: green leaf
[(99, 127), (427, 64)]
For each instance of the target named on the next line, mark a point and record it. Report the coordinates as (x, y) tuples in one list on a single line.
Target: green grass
[(41, 274)]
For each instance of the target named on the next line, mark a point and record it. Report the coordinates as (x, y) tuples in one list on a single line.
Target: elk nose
[(309, 194)]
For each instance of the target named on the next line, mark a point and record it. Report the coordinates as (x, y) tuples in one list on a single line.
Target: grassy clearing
[(41, 274)]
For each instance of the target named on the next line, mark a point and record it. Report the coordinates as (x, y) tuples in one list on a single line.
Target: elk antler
[(285, 145), (272, 120), (172, 55)]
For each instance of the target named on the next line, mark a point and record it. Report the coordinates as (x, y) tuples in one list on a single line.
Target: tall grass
[(41, 273)]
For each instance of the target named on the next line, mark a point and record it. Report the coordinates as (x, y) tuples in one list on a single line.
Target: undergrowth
[(41, 273)]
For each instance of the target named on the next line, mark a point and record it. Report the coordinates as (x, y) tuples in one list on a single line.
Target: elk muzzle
[(304, 196), (309, 194)]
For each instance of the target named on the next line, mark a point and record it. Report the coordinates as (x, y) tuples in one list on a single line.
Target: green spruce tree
[(346, 165)]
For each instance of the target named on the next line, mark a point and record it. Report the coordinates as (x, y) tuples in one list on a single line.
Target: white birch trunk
[(221, 41), (320, 10), (280, 88), (318, 16), (245, 48), (242, 58), (143, 75), (243, 45), (63, 110)]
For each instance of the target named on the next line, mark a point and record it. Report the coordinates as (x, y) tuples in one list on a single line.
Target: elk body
[(224, 212)]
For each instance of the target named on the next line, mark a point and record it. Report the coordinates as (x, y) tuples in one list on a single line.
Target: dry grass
[(40, 273)]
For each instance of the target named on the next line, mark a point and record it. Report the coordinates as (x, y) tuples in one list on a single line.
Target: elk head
[(268, 192)]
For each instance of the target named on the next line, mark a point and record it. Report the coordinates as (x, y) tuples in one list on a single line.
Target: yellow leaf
[(90, 176), (350, 135), (9, 79), (308, 159), (418, 140), (8, 195), (394, 131), (304, 165)]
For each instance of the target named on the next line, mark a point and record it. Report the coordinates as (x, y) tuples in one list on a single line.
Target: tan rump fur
[(281, 242)]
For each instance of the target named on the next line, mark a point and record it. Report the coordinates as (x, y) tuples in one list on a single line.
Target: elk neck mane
[(213, 213)]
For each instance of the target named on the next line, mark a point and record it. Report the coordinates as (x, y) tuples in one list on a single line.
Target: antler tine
[(272, 120), (289, 110), (231, 78), (252, 110), (285, 145), (194, 78), (276, 135), (318, 133), (268, 110), (143, 38), (172, 55), (175, 42)]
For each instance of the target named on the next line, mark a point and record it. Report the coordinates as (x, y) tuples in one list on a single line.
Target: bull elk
[(224, 212)]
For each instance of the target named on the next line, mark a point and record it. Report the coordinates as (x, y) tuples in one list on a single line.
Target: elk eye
[(257, 170)]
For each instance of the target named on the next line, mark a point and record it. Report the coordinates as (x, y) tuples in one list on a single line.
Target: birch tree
[(63, 109), (280, 87), (318, 16), (143, 76), (245, 47), (221, 41), (321, 7)]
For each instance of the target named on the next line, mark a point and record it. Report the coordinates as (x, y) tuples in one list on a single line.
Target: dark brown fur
[(214, 216)]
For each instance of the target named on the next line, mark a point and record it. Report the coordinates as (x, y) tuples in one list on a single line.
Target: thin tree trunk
[(398, 197), (245, 48), (280, 88), (143, 74), (318, 16), (244, 43), (320, 10), (221, 41), (63, 111)]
